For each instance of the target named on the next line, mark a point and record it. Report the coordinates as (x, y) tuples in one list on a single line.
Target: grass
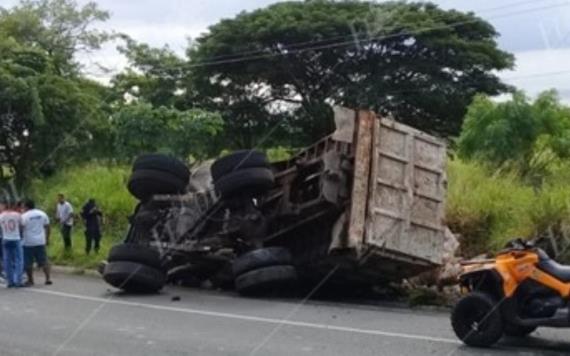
[(488, 208), (106, 184)]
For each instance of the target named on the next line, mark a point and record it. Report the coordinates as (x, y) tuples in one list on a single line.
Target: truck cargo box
[(398, 195)]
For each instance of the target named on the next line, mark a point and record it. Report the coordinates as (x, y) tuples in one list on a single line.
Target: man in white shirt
[(35, 233), (10, 223), (64, 216)]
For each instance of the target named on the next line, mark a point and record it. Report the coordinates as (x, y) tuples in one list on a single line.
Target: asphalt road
[(82, 316)]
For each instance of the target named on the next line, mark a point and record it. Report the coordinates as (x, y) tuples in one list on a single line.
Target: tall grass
[(487, 208), (107, 185)]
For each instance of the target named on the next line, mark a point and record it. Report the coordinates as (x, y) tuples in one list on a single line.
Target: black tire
[(476, 320), (517, 330), (223, 279), (246, 181), (145, 183), (265, 280), (263, 257), (238, 160), (163, 163), (146, 219), (101, 267), (135, 253), (134, 277)]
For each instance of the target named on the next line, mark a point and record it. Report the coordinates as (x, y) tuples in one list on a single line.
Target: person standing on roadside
[(10, 224), (64, 216), (35, 232), (92, 217)]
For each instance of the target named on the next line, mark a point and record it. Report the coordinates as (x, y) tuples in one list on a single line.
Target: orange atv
[(513, 294)]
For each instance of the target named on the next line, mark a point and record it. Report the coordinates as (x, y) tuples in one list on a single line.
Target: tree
[(154, 74), (50, 115), (59, 27), (519, 133), (414, 61), (142, 128)]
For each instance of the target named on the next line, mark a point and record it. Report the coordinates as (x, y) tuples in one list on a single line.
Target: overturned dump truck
[(366, 202)]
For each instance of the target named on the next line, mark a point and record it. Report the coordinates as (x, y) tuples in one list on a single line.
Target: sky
[(536, 32)]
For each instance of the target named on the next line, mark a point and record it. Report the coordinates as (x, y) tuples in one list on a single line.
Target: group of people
[(25, 235)]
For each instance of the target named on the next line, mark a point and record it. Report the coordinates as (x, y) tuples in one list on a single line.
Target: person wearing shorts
[(35, 232)]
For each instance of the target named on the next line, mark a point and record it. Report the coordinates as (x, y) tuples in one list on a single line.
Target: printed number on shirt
[(9, 226)]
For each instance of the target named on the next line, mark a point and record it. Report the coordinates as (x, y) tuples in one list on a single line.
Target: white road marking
[(250, 318)]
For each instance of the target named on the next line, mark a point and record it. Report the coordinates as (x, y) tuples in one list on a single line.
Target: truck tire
[(145, 183), (134, 277), (223, 279), (476, 320), (250, 180), (135, 253), (518, 331), (265, 279), (237, 160), (146, 219), (263, 257), (163, 163)]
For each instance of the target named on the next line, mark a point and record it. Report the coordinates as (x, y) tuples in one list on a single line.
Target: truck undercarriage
[(308, 208)]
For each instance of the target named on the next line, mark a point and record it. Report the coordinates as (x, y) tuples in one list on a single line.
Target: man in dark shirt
[(92, 217)]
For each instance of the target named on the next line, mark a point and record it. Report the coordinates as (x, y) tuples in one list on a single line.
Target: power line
[(370, 39), (538, 75)]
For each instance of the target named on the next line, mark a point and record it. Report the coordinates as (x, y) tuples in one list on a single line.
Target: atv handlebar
[(519, 244)]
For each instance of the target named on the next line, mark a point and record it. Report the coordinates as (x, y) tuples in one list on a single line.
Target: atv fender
[(487, 280)]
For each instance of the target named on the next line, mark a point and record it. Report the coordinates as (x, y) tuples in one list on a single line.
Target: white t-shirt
[(33, 223), (65, 213), (10, 222)]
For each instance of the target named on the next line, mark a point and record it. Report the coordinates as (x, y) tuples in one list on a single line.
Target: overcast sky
[(537, 32)]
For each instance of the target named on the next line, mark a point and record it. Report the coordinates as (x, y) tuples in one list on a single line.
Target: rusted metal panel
[(363, 143), (407, 192)]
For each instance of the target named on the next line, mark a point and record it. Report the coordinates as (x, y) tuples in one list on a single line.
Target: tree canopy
[(414, 61), (519, 133), (265, 78), (142, 128), (60, 28)]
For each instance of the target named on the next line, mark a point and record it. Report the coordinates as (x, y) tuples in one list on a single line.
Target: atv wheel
[(517, 330), (476, 320), (263, 257), (134, 277), (264, 280), (145, 183), (135, 253), (238, 160), (163, 163), (245, 181)]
